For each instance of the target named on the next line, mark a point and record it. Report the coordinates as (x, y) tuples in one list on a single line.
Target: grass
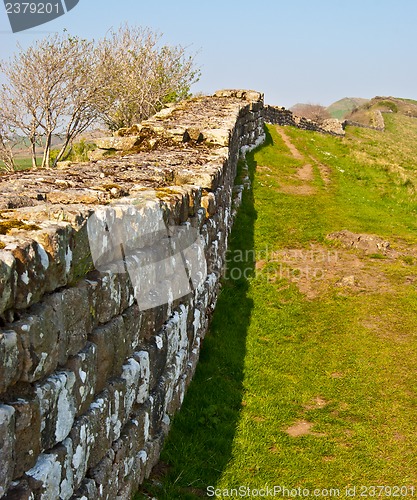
[(342, 360), (21, 164)]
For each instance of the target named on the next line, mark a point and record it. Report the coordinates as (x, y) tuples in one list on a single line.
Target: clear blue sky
[(293, 50)]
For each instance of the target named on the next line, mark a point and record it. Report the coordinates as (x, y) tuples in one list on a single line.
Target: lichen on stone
[(6, 226)]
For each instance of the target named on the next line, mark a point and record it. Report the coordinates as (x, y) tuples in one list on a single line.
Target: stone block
[(105, 477), (128, 489), (40, 342), (72, 318), (82, 262), (32, 265), (8, 280), (7, 446), (148, 370), (84, 367), (57, 407), (56, 239), (82, 439), (11, 359), (143, 389), (111, 343), (176, 334), (100, 421), (153, 450), (153, 320), (126, 448), (105, 295), (19, 490), (132, 319), (73, 196), (176, 201), (88, 490), (118, 143), (134, 375), (52, 476), (208, 202), (28, 434)]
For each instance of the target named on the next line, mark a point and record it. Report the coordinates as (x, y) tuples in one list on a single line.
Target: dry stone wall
[(376, 122), (281, 116), (89, 380)]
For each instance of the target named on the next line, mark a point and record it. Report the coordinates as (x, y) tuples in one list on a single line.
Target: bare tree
[(314, 112), (19, 110), (62, 84), (50, 88), (139, 75)]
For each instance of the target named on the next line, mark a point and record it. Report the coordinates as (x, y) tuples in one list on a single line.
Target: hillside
[(308, 373), (340, 109), (365, 113)]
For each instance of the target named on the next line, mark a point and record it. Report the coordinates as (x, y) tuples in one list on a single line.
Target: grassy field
[(21, 164), (308, 377)]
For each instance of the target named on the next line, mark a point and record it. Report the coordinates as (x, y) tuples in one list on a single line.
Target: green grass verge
[(343, 361)]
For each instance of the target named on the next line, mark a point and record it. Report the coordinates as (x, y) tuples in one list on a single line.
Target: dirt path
[(289, 144), (306, 172)]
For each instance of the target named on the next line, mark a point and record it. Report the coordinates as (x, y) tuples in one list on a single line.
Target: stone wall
[(89, 379), (281, 116), (376, 122)]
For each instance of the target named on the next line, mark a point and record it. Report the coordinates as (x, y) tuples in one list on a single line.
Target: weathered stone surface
[(132, 319), (52, 475), (69, 196), (32, 263), (81, 439), (57, 406), (333, 126), (84, 367), (118, 143), (19, 490), (92, 374), (39, 337), (7, 446), (56, 239), (143, 389), (28, 434), (111, 350), (8, 280), (220, 137), (126, 448), (11, 358), (100, 418), (103, 474), (249, 95), (88, 490), (72, 319)]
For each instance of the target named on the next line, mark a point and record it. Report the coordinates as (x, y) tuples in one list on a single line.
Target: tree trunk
[(61, 152), (47, 151), (33, 151)]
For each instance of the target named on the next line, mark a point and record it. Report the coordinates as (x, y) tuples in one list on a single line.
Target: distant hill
[(364, 113), (340, 109)]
